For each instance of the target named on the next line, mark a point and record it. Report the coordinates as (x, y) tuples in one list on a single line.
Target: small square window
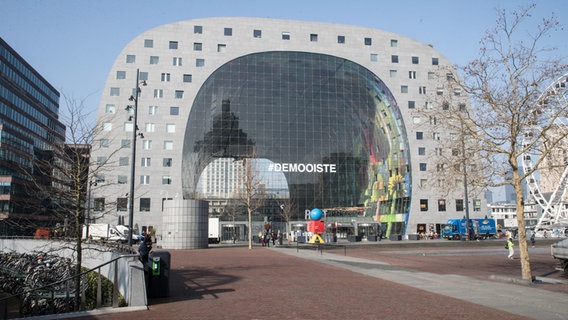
[(173, 45), (415, 60), (221, 48), (435, 61), (197, 46), (179, 94), (114, 92), (199, 62), (403, 89), (166, 180), (123, 161), (368, 41), (340, 39), (104, 143), (285, 35), (174, 111), (392, 73), (419, 135), (421, 151), (187, 78), (394, 59), (176, 61), (145, 204), (130, 58), (170, 128), (394, 43), (423, 166), (154, 59), (110, 108), (411, 104), (198, 29), (122, 179), (313, 37), (228, 31), (374, 57), (257, 33), (167, 162), (148, 43), (168, 145), (423, 204), (153, 110), (143, 76)]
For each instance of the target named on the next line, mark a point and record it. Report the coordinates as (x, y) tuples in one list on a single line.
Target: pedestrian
[(532, 239), (509, 246)]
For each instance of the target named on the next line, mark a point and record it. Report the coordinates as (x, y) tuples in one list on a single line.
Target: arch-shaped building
[(325, 108)]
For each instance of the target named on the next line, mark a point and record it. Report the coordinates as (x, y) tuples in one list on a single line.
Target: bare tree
[(252, 192), (505, 85)]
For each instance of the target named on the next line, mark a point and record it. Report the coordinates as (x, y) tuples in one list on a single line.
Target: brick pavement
[(238, 283)]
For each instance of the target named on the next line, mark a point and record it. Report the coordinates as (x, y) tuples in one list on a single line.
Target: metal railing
[(52, 287)]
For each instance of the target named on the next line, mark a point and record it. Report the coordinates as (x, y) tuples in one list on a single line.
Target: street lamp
[(133, 163)]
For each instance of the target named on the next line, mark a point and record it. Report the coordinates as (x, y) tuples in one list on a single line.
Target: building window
[(435, 136), (419, 135), (145, 162), (412, 74), (341, 39), (415, 60), (147, 144), (431, 76), (228, 32), (114, 92), (154, 59), (99, 204), (170, 128), (123, 161), (120, 75), (153, 110), (130, 58), (104, 143), (166, 180), (179, 94), (110, 108), (411, 104), (121, 204), (392, 73), (145, 204), (173, 45), (128, 127), (374, 57), (174, 111), (285, 35), (197, 46), (421, 151), (394, 59), (176, 61), (221, 48), (167, 162), (158, 93), (145, 179), (423, 204), (199, 62), (313, 37), (198, 29), (422, 90), (423, 183), (107, 126), (257, 33), (150, 127), (187, 78), (168, 145), (165, 77), (403, 89), (435, 61), (423, 166), (368, 41), (476, 204), (459, 205), (125, 143), (148, 43), (122, 179), (441, 205), (416, 119), (394, 43)]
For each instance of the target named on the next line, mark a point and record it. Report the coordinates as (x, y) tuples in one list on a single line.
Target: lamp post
[(134, 118)]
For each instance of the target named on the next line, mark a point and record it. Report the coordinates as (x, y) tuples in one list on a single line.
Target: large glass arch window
[(329, 125)]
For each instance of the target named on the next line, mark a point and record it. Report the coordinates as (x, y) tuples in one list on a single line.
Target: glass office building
[(326, 111), (29, 129)]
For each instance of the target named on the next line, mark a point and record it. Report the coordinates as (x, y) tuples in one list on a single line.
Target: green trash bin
[(159, 277)]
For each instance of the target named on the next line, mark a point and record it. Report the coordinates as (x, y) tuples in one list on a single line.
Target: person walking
[(509, 246), (532, 239)]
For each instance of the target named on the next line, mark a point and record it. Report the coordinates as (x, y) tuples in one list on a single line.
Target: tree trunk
[(522, 235)]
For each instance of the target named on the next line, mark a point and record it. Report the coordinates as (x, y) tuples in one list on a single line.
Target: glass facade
[(324, 130)]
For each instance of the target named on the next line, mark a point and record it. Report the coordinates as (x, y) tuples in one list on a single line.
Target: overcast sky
[(73, 43)]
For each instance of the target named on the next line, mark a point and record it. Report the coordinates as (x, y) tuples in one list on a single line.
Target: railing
[(320, 247), (26, 295)]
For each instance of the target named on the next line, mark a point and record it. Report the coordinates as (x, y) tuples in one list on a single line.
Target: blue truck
[(455, 229)]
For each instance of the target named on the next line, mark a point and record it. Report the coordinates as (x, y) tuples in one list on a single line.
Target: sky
[(74, 43)]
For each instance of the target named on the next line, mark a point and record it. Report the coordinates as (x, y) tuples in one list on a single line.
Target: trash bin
[(159, 277)]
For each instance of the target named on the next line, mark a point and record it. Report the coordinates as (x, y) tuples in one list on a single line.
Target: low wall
[(129, 269)]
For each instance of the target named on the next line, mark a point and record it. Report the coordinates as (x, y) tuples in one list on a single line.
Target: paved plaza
[(386, 280)]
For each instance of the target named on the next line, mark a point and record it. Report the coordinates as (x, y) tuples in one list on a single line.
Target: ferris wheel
[(548, 188)]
